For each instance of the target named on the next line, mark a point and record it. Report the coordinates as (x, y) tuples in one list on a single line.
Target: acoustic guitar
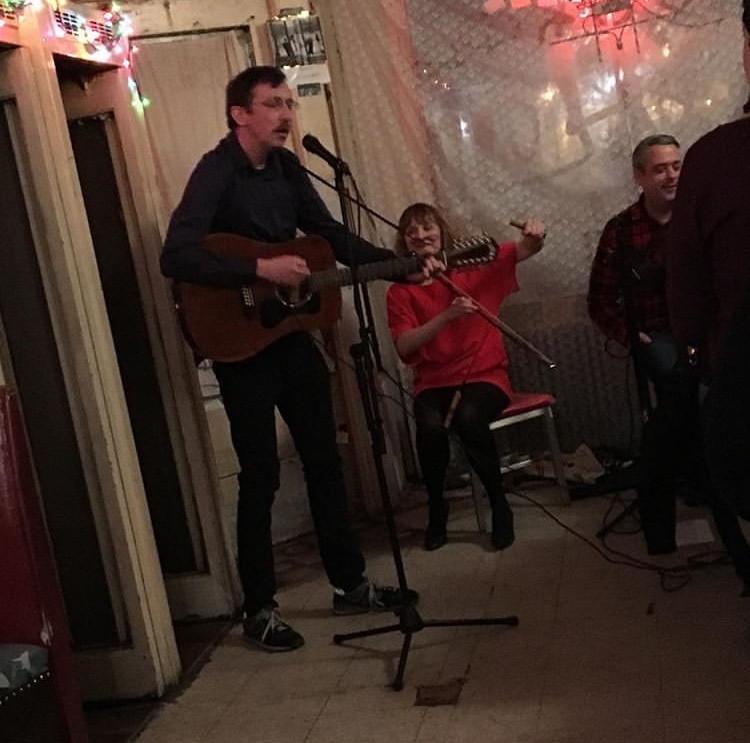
[(231, 324)]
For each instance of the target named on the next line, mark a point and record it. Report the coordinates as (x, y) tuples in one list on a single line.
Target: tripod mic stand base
[(410, 622), (629, 510)]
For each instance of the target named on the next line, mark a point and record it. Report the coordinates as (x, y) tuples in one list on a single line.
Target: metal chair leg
[(554, 445)]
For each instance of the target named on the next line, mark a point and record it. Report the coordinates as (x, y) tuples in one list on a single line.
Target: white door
[(161, 391)]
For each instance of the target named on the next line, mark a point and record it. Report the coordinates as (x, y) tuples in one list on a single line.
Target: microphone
[(315, 146)]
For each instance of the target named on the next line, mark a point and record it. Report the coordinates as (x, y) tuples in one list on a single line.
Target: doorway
[(35, 371), (179, 552)]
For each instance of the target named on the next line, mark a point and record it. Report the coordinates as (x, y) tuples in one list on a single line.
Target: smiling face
[(422, 230), (423, 236), (659, 176), (267, 120)]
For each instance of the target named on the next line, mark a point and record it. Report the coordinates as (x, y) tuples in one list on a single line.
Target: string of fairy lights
[(16, 4), (103, 34)]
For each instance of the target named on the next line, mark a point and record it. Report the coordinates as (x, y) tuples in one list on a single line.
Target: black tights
[(480, 404)]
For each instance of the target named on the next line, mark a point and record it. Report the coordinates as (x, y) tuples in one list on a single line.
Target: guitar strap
[(197, 357)]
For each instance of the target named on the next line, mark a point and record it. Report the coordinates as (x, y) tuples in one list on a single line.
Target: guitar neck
[(390, 269), (469, 251)]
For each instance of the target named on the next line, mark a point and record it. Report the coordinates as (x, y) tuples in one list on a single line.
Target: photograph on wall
[(297, 41)]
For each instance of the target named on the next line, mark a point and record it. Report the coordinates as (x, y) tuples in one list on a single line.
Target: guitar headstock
[(467, 252)]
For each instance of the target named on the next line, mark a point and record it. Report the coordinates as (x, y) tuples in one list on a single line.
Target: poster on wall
[(297, 40)]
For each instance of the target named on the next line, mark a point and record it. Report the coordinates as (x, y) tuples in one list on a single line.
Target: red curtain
[(32, 609)]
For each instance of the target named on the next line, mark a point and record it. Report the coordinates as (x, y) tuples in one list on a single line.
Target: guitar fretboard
[(483, 247), (390, 269)]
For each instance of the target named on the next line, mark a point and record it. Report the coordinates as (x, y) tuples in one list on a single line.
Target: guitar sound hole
[(294, 298), (275, 311)]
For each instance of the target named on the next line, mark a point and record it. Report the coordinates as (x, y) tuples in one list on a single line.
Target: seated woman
[(452, 349)]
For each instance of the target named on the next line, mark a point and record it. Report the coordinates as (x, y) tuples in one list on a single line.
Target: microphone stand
[(409, 620), (644, 399), (348, 197), (641, 379)]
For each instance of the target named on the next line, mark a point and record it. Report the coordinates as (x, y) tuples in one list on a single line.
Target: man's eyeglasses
[(278, 102)]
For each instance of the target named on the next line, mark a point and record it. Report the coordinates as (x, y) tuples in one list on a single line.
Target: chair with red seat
[(525, 406)]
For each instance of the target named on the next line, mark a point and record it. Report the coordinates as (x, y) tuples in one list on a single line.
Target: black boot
[(502, 523), (436, 535)]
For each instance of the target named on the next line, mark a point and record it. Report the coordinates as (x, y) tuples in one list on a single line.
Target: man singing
[(251, 186)]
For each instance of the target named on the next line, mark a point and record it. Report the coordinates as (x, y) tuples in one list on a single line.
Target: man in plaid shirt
[(630, 255), (627, 301)]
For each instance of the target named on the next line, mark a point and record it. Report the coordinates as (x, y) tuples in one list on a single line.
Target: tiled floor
[(120, 722), (602, 654)]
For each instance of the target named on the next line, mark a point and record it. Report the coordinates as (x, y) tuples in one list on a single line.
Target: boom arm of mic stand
[(496, 321), (351, 199)]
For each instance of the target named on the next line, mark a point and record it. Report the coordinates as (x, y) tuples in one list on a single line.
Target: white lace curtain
[(506, 110)]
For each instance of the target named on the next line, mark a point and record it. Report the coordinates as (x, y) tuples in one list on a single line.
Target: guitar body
[(234, 323)]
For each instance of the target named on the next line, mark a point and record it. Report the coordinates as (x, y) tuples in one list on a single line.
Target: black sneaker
[(436, 534), (267, 630), (503, 534), (371, 597)]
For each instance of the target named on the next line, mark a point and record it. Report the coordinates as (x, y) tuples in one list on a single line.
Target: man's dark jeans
[(292, 376), (670, 440), (672, 445)]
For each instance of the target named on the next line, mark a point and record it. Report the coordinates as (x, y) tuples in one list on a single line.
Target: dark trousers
[(722, 503), (673, 444), (728, 414), (481, 403), (292, 376)]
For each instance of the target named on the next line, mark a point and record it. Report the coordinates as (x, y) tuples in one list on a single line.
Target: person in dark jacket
[(249, 185), (627, 302), (708, 294)]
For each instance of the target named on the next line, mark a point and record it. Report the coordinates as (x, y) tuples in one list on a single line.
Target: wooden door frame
[(148, 661)]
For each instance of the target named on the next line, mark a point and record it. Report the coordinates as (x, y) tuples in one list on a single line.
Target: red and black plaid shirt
[(631, 249)]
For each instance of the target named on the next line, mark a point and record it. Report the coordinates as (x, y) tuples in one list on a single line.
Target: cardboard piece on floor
[(693, 531), (439, 694)]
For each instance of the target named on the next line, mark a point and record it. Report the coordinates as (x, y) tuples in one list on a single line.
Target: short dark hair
[(640, 153), (240, 88), (746, 14), (421, 212)]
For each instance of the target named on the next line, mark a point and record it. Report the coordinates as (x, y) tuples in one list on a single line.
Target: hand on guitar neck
[(430, 265), (287, 270)]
